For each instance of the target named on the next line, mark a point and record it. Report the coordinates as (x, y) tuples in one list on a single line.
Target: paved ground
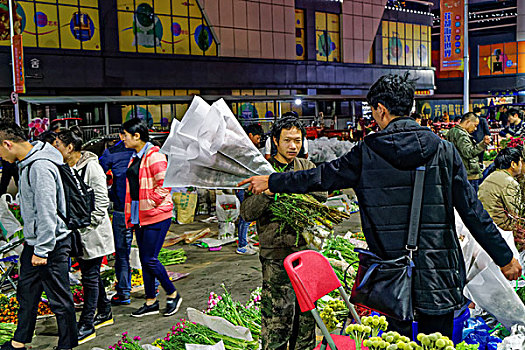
[(208, 270)]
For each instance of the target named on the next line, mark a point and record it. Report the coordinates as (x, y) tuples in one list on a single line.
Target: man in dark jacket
[(283, 324), (482, 130), (381, 169), (117, 159), (516, 126)]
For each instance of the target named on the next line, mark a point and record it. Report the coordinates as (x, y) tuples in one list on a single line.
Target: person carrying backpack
[(97, 238), (44, 262)]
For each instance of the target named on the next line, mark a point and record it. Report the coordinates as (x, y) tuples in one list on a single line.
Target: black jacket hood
[(404, 143)]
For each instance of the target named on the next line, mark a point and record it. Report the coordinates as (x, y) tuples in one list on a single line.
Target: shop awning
[(139, 100)]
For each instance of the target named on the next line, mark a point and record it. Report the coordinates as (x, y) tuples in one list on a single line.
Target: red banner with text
[(452, 30), (18, 64)]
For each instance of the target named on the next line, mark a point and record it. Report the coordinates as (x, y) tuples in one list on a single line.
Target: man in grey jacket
[(44, 260)]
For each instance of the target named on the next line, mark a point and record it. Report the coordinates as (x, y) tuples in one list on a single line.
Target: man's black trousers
[(52, 278)]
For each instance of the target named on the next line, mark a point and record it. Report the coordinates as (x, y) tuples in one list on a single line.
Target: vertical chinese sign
[(18, 64), (452, 28)]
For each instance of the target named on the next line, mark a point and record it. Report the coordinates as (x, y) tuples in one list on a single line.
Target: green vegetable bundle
[(339, 248), (238, 314), (304, 215), (172, 257), (7, 331), (190, 333)]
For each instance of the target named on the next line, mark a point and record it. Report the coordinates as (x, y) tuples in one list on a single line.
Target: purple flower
[(136, 338)]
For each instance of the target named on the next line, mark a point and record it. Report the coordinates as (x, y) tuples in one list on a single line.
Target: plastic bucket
[(459, 322)]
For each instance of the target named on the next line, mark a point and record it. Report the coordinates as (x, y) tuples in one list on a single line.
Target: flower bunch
[(127, 343), (213, 300), (255, 299)]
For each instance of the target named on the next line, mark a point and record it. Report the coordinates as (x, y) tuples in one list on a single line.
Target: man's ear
[(275, 140)]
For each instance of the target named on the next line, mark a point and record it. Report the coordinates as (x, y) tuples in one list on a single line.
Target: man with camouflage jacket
[(460, 136), (283, 324)]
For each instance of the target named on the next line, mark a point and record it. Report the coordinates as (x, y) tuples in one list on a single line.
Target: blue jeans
[(150, 239), (242, 229), (123, 238)]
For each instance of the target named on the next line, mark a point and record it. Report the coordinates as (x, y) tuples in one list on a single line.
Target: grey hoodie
[(38, 201)]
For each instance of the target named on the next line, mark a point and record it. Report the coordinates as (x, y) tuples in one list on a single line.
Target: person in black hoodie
[(381, 170)]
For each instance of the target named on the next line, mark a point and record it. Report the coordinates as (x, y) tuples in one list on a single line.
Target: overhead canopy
[(143, 100)]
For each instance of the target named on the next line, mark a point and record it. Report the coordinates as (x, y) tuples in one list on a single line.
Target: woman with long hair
[(148, 211), (97, 239)]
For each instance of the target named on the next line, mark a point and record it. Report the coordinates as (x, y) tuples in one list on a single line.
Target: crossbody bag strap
[(415, 211)]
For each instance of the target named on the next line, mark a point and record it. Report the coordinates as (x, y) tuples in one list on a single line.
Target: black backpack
[(80, 198)]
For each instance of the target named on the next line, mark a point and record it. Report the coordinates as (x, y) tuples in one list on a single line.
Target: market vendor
[(381, 169), (283, 324)]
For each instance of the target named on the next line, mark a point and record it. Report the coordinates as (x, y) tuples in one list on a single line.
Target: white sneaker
[(246, 251), (253, 247)]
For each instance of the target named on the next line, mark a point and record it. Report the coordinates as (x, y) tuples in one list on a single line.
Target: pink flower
[(136, 338)]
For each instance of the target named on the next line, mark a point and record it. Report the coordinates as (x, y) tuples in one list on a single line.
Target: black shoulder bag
[(386, 285)]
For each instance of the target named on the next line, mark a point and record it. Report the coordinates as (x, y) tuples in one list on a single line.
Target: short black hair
[(291, 114), (506, 156), (476, 110), (137, 126), (55, 124), (395, 92), (416, 116), (287, 123), (48, 136), (468, 116), (513, 111), (9, 130), (71, 137), (254, 129)]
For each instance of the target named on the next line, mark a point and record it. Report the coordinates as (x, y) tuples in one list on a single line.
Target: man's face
[(256, 139), (514, 118), (290, 143), (471, 125), (6, 151)]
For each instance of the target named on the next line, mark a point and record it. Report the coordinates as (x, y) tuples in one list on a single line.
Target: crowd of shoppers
[(380, 169)]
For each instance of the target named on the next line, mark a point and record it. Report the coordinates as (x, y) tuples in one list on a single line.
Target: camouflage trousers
[(283, 325)]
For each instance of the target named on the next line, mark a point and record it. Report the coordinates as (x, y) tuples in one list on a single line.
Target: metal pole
[(106, 117), (29, 117), (12, 34), (466, 91)]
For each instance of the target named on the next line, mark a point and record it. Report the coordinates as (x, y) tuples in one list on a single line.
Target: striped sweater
[(155, 204)]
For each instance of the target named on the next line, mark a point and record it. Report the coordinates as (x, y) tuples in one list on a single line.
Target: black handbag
[(77, 249), (386, 285)]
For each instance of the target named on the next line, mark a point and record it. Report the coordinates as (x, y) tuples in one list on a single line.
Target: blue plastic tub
[(457, 332)]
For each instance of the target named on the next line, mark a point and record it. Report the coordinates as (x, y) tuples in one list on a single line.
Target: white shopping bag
[(8, 222)]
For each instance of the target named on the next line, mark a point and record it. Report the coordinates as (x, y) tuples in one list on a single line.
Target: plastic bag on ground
[(228, 210), (209, 149), (219, 325), (218, 346)]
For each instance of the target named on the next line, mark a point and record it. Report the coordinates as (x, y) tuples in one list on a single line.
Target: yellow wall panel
[(162, 7), (320, 21), (66, 14), (332, 22), (47, 23), (179, 8), (125, 29), (409, 31), (68, 2), (385, 25), (125, 5), (334, 50), (195, 24), (417, 32), (194, 8), (166, 42), (29, 32), (92, 43), (401, 30), (89, 3), (181, 36)]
